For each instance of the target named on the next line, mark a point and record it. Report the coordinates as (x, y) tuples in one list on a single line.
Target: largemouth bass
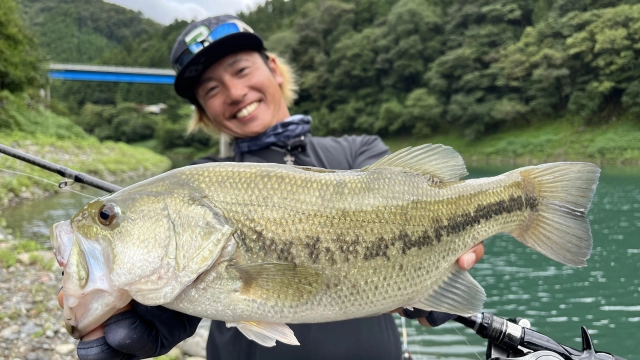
[(262, 245)]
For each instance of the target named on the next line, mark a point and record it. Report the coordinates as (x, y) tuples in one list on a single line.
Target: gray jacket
[(369, 338)]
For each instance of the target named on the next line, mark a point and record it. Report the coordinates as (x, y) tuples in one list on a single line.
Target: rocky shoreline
[(31, 323)]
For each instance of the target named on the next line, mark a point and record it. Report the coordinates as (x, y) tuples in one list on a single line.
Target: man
[(241, 90)]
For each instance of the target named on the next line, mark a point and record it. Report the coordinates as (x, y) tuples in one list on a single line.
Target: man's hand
[(135, 332), (436, 318), (471, 257)]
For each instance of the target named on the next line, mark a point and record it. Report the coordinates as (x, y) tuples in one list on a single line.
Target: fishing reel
[(511, 339)]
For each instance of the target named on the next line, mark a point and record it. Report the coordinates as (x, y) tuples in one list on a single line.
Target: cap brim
[(188, 78)]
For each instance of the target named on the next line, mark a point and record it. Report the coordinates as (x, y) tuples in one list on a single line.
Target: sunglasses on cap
[(201, 37)]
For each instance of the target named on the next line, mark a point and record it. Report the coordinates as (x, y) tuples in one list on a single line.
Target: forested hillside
[(476, 66), (82, 31), (394, 67), (96, 32), (27, 124)]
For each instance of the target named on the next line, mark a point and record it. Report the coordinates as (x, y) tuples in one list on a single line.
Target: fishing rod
[(67, 173), (512, 339), (406, 354)]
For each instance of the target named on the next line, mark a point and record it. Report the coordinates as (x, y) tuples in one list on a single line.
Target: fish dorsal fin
[(278, 282), (437, 161)]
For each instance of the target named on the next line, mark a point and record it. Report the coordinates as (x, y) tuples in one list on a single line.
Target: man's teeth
[(247, 110)]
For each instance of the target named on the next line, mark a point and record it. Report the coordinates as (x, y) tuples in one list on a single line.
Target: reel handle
[(512, 338)]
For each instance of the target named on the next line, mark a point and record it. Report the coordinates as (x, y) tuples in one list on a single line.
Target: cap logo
[(201, 37), (193, 71), (195, 37), (243, 27)]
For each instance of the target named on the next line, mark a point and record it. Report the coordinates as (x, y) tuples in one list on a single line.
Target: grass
[(9, 254), (11, 315), (110, 161), (28, 246), (28, 126), (7, 258), (617, 142), (180, 156)]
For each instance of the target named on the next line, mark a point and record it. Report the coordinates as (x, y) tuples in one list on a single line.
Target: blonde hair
[(289, 87)]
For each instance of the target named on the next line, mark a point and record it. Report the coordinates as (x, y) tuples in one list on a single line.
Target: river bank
[(110, 161), (31, 323), (26, 124), (566, 139)]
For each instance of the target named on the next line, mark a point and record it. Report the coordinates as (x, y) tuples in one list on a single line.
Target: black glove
[(434, 318), (142, 332)]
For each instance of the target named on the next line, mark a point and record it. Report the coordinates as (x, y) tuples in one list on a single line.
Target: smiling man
[(241, 90), (242, 94)]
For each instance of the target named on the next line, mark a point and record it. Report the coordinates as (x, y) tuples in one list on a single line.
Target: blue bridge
[(78, 72)]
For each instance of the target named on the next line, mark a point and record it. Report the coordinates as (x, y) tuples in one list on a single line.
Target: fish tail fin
[(558, 196)]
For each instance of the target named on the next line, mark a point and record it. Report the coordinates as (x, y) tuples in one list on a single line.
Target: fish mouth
[(90, 300), (62, 240), (84, 313)]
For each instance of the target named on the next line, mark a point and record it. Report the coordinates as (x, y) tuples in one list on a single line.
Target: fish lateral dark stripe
[(316, 250), (348, 249), (531, 202), (378, 248), (461, 222)]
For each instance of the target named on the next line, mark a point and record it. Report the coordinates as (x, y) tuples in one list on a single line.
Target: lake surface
[(556, 299)]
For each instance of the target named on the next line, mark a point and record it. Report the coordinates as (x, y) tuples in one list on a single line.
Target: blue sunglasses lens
[(215, 34), (224, 30)]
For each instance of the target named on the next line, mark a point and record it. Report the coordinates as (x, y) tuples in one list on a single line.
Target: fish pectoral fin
[(441, 163), (278, 282), (458, 294), (265, 333)]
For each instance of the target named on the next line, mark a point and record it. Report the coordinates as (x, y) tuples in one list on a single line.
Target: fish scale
[(261, 245), (425, 209)]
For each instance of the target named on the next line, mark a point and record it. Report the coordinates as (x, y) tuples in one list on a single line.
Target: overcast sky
[(166, 11)]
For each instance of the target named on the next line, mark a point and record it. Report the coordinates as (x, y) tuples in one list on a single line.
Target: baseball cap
[(205, 42)]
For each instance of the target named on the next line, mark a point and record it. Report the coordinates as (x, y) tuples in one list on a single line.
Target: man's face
[(241, 94)]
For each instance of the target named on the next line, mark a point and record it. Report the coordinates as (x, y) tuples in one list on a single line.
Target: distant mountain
[(82, 31)]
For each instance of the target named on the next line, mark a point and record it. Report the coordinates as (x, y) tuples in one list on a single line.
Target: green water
[(603, 296), (557, 299)]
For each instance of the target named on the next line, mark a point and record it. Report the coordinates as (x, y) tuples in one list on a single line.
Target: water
[(557, 299), (603, 296)]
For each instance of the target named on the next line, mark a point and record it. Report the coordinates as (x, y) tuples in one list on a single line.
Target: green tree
[(464, 76), (582, 62), (82, 31), (537, 70), (20, 62), (393, 67), (631, 97), (420, 115), (124, 122), (410, 40)]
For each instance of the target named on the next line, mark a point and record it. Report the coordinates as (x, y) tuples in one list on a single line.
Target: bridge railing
[(79, 72)]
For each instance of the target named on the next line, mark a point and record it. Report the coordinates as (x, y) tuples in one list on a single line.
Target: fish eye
[(107, 214)]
